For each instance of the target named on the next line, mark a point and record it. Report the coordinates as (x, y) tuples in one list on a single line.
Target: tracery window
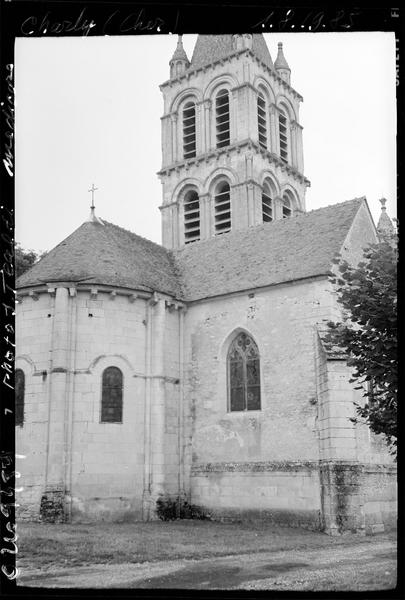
[(191, 217), (19, 396), (111, 397), (222, 118), (189, 136), (287, 210), (243, 374), (222, 204), (283, 135), (262, 120), (267, 204)]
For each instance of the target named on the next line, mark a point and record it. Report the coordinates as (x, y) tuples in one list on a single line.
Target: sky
[(88, 111)]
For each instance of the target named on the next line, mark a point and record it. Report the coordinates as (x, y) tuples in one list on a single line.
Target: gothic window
[(283, 134), (287, 210), (111, 398), (19, 396), (267, 204), (191, 217), (243, 374), (222, 118), (189, 139), (262, 120), (222, 208)]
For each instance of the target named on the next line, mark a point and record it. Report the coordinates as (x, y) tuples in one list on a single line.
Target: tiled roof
[(209, 48), (276, 252), (106, 254)]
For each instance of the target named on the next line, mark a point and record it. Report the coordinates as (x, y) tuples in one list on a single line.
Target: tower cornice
[(237, 147), (237, 54)]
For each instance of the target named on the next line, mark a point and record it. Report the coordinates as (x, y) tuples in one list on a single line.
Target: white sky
[(88, 110)]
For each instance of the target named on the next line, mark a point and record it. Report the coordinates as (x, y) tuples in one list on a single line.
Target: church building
[(197, 369)]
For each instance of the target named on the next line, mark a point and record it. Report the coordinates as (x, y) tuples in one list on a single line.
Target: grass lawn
[(41, 544)]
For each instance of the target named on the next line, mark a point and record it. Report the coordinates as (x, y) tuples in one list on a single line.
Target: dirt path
[(362, 566)]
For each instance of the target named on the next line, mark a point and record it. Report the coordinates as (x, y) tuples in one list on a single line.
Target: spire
[(281, 65), (385, 226), (179, 61)]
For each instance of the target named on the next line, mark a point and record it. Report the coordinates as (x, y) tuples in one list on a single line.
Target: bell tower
[(232, 152)]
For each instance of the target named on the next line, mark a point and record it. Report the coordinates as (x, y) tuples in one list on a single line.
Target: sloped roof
[(272, 253), (209, 48), (106, 254), (276, 252)]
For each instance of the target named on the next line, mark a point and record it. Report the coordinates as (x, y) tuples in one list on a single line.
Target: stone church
[(197, 369)]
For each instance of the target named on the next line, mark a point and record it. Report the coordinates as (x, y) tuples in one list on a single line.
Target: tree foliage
[(368, 333), (25, 259)]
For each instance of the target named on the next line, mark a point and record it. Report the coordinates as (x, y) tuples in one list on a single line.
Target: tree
[(368, 333), (25, 259)]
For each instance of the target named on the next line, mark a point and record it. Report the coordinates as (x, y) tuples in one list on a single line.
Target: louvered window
[(267, 205), (189, 139), (191, 217), (222, 118), (287, 210), (262, 120), (243, 374), (19, 396), (222, 208), (111, 399), (283, 131)]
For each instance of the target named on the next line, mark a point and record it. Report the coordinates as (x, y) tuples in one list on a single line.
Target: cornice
[(216, 153), (273, 74)]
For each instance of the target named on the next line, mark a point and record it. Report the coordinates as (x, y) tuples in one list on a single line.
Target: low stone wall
[(358, 497), (287, 493)]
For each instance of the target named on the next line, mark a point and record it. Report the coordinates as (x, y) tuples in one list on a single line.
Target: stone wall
[(281, 321), (284, 492), (97, 470)]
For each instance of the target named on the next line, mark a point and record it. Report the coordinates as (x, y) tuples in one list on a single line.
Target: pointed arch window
[(19, 396), (191, 217), (111, 397), (243, 374), (287, 210), (222, 203), (267, 204), (283, 134), (189, 135), (262, 120), (222, 118)]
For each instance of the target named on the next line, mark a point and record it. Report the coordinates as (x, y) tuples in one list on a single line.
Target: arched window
[(267, 204), (222, 118), (287, 210), (283, 133), (111, 397), (243, 374), (19, 396), (222, 208), (189, 140), (191, 217), (262, 120)]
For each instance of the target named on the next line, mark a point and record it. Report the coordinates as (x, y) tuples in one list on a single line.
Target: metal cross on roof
[(92, 190)]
